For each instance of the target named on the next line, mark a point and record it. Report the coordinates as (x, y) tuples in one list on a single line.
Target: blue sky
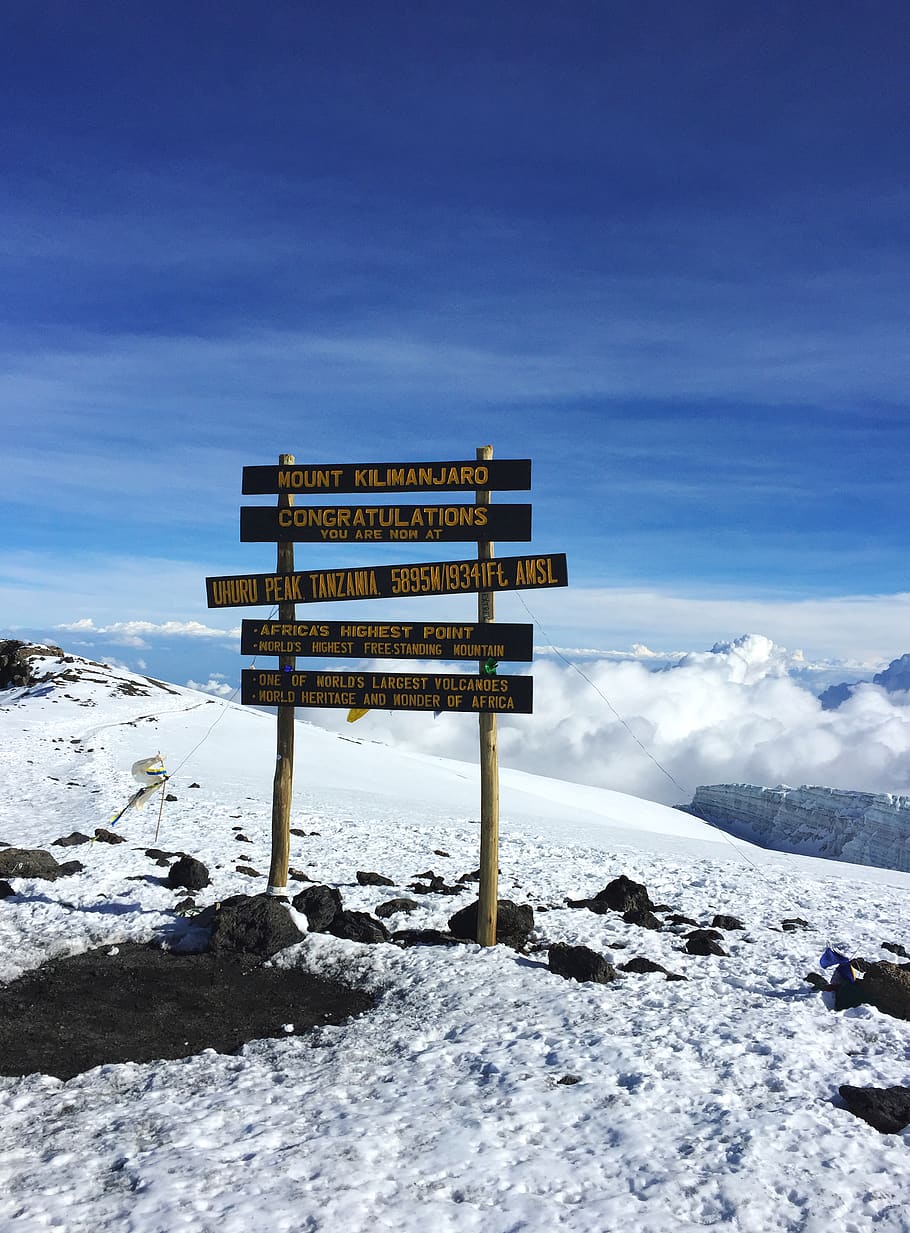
[(661, 249)]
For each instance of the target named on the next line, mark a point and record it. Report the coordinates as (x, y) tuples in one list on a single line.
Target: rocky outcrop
[(860, 827)]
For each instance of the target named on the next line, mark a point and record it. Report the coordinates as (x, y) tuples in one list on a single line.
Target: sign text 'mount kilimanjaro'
[(388, 691), (384, 523), (503, 474), (388, 639), (389, 581)]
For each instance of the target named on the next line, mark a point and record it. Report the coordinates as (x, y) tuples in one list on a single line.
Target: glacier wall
[(860, 827)]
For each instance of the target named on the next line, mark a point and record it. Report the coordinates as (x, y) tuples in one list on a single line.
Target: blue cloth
[(834, 959)]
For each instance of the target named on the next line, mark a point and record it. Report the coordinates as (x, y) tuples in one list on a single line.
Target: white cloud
[(216, 685), (130, 633), (730, 715)]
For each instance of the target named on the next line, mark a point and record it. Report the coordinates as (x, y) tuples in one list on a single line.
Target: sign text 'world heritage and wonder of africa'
[(384, 523), (388, 691), (503, 474), (389, 581), (389, 640)]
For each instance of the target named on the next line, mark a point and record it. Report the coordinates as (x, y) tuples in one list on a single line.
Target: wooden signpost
[(483, 642)]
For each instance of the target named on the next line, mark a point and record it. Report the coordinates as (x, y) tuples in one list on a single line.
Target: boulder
[(793, 923), (727, 922), (677, 919), (260, 925), (885, 1108), (887, 987), (624, 895), (579, 963), (28, 863), (703, 942), (71, 840), (67, 868), (189, 874), (5, 889), (357, 927), (366, 878), (319, 904), (514, 922), (391, 906)]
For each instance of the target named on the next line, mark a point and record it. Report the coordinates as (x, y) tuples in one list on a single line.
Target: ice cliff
[(861, 827)]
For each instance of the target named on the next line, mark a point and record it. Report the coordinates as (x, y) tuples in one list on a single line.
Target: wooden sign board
[(389, 581), (388, 691), (505, 473), (384, 523), (388, 640)]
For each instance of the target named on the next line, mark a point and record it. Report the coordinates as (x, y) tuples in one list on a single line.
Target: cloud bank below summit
[(731, 715)]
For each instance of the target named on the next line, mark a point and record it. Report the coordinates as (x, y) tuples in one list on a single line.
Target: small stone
[(249, 871), (319, 904), (185, 906), (5, 889), (67, 868), (194, 785), (792, 923), (425, 937), (391, 906), (643, 918), (241, 838), (439, 852), (817, 981), (569, 1080), (579, 963), (297, 875), (169, 796), (700, 942), (105, 836), (189, 874), (624, 895), (295, 831), (641, 966), (676, 919), (473, 876), (727, 922), (358, 927), (71, 840), (366, 878), (896, 949)]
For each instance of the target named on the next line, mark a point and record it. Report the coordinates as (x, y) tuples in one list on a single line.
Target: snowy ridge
[(862, 827), (709, 1102)]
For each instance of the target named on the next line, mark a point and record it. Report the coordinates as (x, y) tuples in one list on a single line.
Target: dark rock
[(848, 993), (642, 966), (366, 878), (295, 830), (428, 875), (28, 863), (391, 906), (702, 942), (569, 1080), (260, 925), (887, 987), (297, 875), (358, 927), (319, 904), (67, 868), (71, 840), (473, 876), (15, 670), (439, 852), (156, 854), (896, 949), (579, 963), (624, 895), (188, 873), (436, 886), (727, 922), (792, 923), (817, 981), (169, 796), (676, 919), (185, 907), (106, 836), (425, 937), (194, 785), (885, 1108), (599, 906), (5, 889), (859, 964), (241, 838), (676, 976), (643, 918), (249, 871), (513, 922)]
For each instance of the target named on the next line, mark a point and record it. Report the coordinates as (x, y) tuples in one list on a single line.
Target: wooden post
[(284, 767), (489, 766)]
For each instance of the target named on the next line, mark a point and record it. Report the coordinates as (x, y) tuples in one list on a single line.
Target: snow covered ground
[(709, 1102)]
